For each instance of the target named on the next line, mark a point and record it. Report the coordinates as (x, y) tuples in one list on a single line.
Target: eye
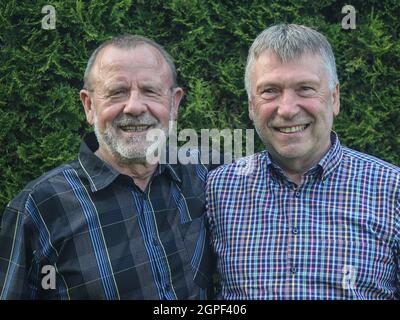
[(306, 90), (149, 91), (269, 92), (119, 92)]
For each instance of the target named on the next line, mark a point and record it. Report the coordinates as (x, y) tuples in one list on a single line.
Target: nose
[(288, 106), (135, 104)]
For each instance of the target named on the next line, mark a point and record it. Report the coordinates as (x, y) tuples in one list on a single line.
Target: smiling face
[(292, 108), (132, 94)]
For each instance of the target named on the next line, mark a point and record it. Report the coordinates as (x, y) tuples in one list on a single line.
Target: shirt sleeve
[(209, 208), (397, 237), (210, 212), (15, 255)]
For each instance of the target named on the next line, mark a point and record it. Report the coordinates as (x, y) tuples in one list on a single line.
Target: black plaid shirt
[(85, 231)]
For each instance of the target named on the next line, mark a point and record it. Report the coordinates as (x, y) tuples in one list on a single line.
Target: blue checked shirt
[(335, 236), (101, 237)]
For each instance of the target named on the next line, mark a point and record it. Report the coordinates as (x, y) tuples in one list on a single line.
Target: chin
[(131, 156), (292, 154)]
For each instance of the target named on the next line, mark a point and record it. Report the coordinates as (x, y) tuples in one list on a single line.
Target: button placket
[(295, 230)]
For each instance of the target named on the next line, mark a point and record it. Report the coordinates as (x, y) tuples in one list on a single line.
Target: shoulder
[(241, 169), (188, 165), (380, 176), (42, 187), (369, 164)]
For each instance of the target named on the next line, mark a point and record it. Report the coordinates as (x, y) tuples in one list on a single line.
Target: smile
[(134, 128), (293, 129)]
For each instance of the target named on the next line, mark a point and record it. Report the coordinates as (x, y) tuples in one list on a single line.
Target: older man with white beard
[(111, 225)]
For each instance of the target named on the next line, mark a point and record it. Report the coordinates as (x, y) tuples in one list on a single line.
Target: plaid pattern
[(105, 238), (336, 236)]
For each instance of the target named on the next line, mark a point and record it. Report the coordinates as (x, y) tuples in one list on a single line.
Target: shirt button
[(295, 230), (297, 194), (293, 270)]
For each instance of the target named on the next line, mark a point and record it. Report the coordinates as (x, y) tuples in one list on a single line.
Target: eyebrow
[(153, 85), (110, 86), (312, 82), (279, 84)]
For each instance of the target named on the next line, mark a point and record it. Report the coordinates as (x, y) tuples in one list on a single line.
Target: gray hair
[(290, 41), (128, 41)]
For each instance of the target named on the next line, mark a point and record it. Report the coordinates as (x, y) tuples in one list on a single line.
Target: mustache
[(129, 120)]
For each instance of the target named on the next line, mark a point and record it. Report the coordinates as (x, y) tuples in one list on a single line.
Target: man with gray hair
[(307, 218), (112, 225)]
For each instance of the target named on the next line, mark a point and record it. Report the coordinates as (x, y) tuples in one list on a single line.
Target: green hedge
[(41, 71)]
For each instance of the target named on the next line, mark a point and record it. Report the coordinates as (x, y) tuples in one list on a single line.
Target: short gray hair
[(128, 41), (290, 41)]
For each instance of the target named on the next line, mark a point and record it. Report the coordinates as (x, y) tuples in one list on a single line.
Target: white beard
[(131, 150)]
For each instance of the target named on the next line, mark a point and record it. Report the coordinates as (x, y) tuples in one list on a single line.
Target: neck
[(141, 173), (295, 168), (294, 176)]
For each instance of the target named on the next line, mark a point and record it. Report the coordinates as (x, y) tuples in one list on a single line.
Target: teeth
[(292, 129), (134, 128)]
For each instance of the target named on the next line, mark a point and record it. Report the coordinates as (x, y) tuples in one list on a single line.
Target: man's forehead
[(115, 63), (143, 56), (270, 57), (306, 67)]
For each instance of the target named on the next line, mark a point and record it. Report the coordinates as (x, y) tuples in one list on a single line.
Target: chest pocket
[(357, 266)]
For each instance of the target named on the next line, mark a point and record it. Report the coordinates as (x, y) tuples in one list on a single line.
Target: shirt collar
[(167, 168), (99, 173), (332, 158), (327, 165)]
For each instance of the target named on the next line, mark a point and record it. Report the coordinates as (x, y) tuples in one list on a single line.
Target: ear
[(336, 99), (251, 110), (176, 100), (87, 105)]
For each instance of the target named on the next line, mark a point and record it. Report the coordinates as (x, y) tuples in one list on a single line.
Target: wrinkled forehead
[(113, 62), (268, 61), (270, 56)]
